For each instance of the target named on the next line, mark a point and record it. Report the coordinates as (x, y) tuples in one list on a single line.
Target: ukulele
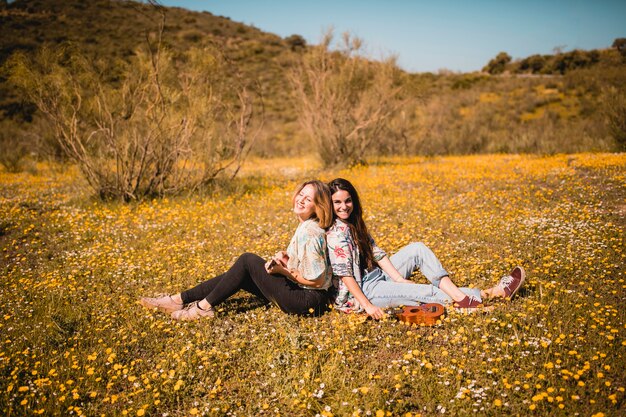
[(426, 314)]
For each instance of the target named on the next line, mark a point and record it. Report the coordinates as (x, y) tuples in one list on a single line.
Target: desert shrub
[(534, 64), (614, 109), (192, 35), (575, 59), (514, 114), (13, 146), (295, 42), (467, 81), (620, 45), (344, 100), (164, 127), (498, 64)]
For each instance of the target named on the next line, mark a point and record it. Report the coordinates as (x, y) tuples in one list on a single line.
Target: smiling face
[(304, 203), (342, 204)]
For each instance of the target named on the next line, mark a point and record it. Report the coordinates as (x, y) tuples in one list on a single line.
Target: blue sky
[(431, 35)]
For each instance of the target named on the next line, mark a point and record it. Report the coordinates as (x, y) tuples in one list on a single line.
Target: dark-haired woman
[(366, 279), (296, 279)]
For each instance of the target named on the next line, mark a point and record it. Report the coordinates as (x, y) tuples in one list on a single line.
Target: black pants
[(248, 274)]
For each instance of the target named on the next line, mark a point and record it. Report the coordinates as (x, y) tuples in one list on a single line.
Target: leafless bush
[(344, 100), (167, 125)]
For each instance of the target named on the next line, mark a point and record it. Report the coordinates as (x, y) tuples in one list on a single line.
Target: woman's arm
[(293, 275), (309, 264), (386, 265), (372, 310)]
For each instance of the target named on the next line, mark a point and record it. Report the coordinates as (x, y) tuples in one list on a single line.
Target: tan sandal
[(163, 303), (193, 312)]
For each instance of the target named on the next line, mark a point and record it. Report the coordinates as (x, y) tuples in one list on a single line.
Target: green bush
[(534, 64), (498, 64)]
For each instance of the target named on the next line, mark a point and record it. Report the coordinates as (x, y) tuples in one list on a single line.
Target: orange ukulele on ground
[(426, 314)]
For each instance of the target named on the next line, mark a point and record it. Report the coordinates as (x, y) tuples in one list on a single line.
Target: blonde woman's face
[(304, 205)]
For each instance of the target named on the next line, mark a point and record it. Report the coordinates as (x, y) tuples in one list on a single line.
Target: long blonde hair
[(321, 200)]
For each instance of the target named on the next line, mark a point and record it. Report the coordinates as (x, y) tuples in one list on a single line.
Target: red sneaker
[(512, 282)]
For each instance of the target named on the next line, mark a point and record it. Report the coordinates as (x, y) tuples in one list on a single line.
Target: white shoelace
[(472, 298), (505, 281)]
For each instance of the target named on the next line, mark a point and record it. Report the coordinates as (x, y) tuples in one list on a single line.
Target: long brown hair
[(323, 205), (355, 222)]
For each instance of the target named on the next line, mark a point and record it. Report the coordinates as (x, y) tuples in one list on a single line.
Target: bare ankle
[(494, 292)]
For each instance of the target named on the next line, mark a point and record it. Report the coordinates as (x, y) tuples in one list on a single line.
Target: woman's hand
[(374, 312), (274, 267), (282, 257), (278, 265)]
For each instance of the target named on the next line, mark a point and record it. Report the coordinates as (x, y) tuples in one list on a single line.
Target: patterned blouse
[(344, 261), (307, 253)]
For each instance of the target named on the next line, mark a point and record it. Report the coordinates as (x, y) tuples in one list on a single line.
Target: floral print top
[(307, 253), (344, 258)]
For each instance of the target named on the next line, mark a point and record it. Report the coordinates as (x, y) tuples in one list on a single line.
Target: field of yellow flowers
[(74, 341)]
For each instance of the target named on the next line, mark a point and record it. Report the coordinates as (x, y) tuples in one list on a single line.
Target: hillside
[(557, 108), (112, 29)]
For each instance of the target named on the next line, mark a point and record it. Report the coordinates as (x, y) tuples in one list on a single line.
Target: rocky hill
[(113, 29), (512, 106)]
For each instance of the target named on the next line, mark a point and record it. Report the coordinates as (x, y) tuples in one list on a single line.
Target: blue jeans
[(383, 292)]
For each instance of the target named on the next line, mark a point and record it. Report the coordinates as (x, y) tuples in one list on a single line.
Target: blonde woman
[(296, 280)]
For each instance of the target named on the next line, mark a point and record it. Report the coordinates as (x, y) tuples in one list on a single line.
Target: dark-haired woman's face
[(342, 204)]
